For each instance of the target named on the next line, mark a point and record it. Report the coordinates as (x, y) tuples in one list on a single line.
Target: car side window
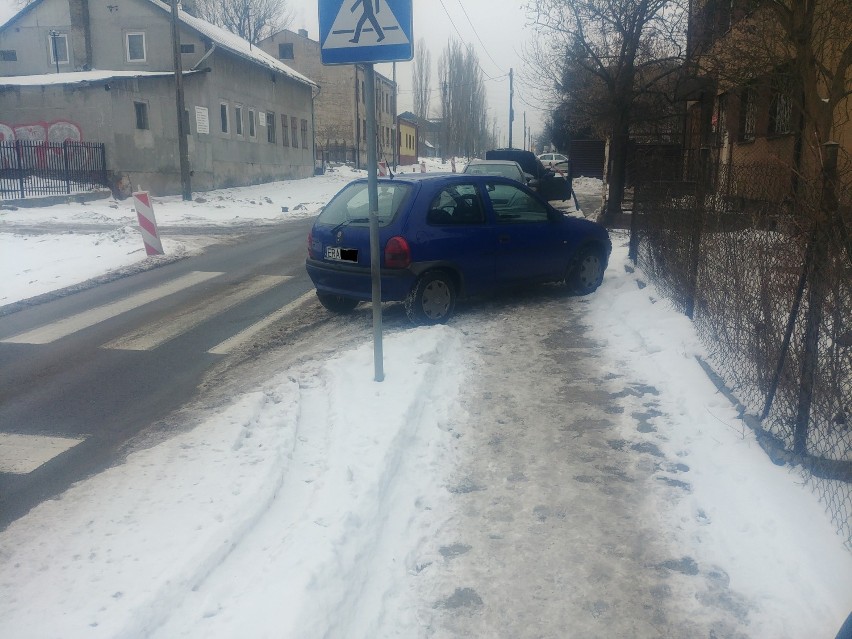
[(513, 206), (455, 205)]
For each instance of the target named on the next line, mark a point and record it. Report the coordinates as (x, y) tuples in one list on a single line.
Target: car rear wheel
[(432, 299), (337, 303), (587, 273)]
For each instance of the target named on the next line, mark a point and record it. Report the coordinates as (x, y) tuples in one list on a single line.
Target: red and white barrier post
[(383, 168), (147, 223)]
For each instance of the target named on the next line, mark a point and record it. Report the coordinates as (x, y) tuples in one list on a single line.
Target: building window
[(223, 116), (270, 127), (8, 55), (187, 48), (748, 114), (781, 105), (141, 109), (58, 45), (238, 119), (304, 134), (285, 131), (135, 47), (294, 136), (251, 123), (285, 50)]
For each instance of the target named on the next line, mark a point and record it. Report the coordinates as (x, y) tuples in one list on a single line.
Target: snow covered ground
[(305, 508)]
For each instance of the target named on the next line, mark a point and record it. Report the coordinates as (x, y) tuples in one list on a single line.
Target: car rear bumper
[(356, 281)]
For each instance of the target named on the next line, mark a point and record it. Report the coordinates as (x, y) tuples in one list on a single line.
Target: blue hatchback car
[(442, 236)]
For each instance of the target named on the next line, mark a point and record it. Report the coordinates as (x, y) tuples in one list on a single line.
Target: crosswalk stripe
[(160, 332), (69, 325), (245, 335), (22, 454)]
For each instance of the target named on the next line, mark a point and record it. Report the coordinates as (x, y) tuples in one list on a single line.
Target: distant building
[(340, 106), (408, 144), (104, 72)]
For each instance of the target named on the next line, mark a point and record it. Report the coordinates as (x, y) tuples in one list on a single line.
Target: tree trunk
[(618, 164)]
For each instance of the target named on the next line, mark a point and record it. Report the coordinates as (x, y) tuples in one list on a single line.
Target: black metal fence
[(763, 264), (30, 169)]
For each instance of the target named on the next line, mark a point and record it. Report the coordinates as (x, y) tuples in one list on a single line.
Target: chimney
[(81, 33), (303, 33)]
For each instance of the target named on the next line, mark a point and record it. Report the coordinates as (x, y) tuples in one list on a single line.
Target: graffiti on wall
[(44, 132), (58, 131)]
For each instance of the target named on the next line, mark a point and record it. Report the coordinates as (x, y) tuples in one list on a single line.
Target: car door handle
[(504, 239)]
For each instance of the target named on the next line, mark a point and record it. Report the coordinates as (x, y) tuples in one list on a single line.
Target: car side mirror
[(532, 182), (555, 215)]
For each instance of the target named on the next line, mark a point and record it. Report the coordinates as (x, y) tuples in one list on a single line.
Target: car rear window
[(352, 204)]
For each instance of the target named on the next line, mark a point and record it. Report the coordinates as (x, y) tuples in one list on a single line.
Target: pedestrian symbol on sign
[(365, 31), (367, 15)]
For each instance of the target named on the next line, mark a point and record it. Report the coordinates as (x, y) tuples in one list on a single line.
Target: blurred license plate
[(341, 254)]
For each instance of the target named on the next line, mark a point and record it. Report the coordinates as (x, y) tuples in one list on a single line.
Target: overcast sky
[(495, 28)]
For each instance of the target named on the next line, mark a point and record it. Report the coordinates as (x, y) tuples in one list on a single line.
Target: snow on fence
[(31, 168), (765, 271)]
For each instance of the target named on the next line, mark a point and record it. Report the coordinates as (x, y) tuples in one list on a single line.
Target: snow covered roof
[(222, 38), (81, 77), (235, 44)]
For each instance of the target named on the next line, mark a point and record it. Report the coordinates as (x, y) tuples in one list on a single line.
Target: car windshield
[(352, 205), (503, 170)]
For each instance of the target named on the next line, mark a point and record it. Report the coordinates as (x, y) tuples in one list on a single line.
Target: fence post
[(816, 297), (19, 157), (697, 228), (67, 168)]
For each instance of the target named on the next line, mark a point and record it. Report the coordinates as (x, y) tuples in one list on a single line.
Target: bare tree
[(421, 80), (252, 20), (463, 103), (612, 51)]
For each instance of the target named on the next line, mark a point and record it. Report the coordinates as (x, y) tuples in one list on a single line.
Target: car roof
[(512, 162)]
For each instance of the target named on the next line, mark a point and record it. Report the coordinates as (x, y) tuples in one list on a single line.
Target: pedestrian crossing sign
[(365, 31)]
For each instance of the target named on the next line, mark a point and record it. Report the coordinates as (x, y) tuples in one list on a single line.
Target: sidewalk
[(573, 510)]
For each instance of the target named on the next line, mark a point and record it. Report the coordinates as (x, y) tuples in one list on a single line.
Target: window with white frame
[(134, 42), (223, 117), (58, 45), (238, 119), (270, 127)]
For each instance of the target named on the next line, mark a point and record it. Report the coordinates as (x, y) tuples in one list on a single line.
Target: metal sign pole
[(373, 194)]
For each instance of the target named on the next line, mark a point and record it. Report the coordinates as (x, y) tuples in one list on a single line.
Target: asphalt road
[(84, 374)]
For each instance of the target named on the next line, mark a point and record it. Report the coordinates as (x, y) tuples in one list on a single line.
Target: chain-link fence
[(763, 264)]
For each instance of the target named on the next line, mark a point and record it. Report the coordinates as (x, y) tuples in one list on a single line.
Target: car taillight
[(397, 253)]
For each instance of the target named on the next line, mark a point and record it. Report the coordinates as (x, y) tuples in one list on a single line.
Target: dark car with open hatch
[(442, 236)]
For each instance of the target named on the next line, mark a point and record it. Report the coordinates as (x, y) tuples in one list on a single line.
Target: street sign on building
[(365, 31)]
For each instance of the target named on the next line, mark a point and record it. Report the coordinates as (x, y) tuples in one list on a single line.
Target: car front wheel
[(337, 303), (432, 299), (587, 272)]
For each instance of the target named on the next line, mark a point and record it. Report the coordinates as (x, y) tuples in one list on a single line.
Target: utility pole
[(395, 140), (183, 147), (511, 110)]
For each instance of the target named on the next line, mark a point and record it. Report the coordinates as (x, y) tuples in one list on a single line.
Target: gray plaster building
[(341, 120), (104, 72)]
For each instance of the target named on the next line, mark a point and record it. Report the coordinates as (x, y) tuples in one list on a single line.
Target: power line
[(461, 37), (476, 33)]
